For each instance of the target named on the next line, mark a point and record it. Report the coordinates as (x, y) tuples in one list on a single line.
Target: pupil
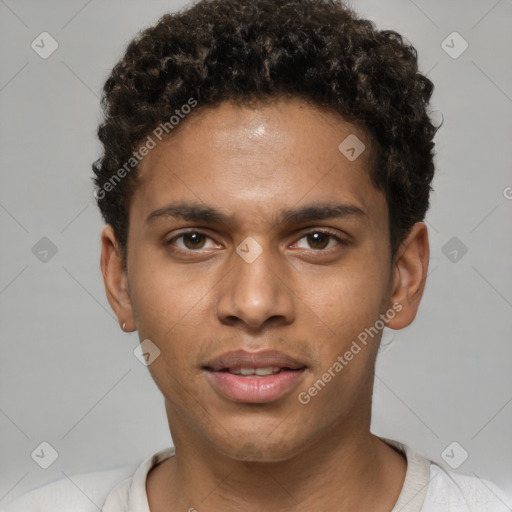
[(318, 240), (194, 240)]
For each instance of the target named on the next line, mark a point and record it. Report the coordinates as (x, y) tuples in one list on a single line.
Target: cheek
[(167, 319), (345, 300), (343, 330), (164, 297), (174, 322), (342, 313)]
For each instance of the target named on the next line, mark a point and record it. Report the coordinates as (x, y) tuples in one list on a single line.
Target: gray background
[(68, 375)]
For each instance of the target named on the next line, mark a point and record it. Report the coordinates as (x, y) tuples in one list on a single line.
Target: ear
[(409, 276), (115, 279)]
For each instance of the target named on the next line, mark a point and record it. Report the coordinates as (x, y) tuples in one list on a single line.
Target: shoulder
[(428, 487), (85, 492), (455, 492)]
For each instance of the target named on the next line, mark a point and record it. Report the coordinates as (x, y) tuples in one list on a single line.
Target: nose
[(254, 295)]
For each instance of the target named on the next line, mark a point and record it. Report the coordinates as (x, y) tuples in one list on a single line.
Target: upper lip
[(261, 359)]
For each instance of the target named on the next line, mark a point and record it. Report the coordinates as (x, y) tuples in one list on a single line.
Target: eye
[(319, 240), (192, 241)]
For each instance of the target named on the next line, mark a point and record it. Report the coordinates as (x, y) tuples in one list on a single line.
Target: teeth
[(264, 371), (255, 371)]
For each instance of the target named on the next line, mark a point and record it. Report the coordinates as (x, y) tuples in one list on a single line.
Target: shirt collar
[(130, 495)]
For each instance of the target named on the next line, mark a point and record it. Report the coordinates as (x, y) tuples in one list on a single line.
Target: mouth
[(258, 372), (254, 377)]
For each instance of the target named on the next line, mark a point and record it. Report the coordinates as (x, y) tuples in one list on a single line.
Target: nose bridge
[(254, 290)]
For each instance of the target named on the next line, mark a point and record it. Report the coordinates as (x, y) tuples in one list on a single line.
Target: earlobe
[(409, 275), (115, 279)]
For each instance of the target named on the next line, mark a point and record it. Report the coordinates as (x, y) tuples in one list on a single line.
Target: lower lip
[(254, 389)]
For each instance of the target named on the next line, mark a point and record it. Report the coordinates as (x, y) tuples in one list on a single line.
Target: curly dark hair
[(244, 51)]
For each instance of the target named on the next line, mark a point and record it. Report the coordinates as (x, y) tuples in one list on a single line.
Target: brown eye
[(318, 240), (194, 240)]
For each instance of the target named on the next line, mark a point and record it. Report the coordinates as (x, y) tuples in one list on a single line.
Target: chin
[(260, 452), (264, 445)]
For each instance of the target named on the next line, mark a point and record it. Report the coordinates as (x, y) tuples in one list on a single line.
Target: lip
[(254, 389), (246, 359)]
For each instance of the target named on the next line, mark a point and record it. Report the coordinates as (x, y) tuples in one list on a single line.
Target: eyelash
[(327, 232), (169, 242)]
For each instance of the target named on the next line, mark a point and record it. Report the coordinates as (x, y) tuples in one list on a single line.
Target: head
[(265, 173)]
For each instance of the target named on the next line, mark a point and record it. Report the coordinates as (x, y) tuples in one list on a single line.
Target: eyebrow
[(202, 213), (319, 212), (189, 212)]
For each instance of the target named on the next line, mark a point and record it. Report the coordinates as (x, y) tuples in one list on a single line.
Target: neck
[(339, 472)]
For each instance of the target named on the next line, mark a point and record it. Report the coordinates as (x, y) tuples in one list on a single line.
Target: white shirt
[(427, 488)]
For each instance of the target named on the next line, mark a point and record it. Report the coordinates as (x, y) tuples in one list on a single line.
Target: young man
[(266, 171)]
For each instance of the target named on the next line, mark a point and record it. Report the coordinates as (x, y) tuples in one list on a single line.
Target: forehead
[(259, 158)]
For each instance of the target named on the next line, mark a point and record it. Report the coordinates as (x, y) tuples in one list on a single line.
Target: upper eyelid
[(337, 237), (325, 231), (191, 231)]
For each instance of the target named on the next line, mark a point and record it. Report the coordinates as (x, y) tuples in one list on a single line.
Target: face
[(258, 253)]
